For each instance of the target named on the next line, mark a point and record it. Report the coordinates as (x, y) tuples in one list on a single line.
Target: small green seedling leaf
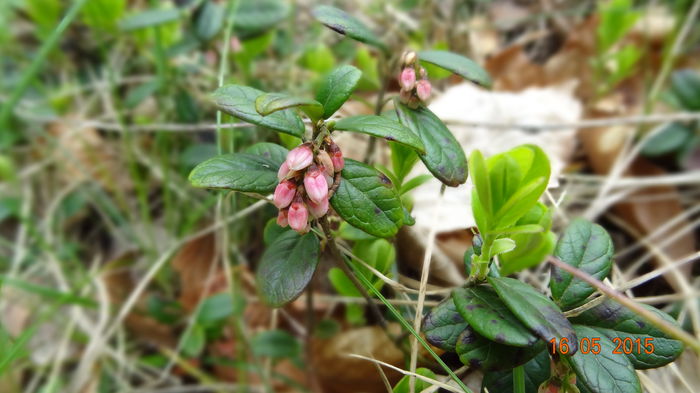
[(193, 344), (672, 138), (239, 101), (254, 17), (486, 313), (276, 344), (500, 246), (651, 347), (381, 127), (215, 309), (587, 247), (208, 21), (367, 200), (269, 103), (287, 266), (443, 156), (537, 370), (252, 171), (605, 372), (478, 352), (443, 324), (336, 88), (535, 310), (150, 18), (482, 183), (346, 24), (458, 64), (403, 386), (685, 85)]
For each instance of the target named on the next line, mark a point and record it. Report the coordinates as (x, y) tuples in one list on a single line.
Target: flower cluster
[(413, 90), (305, 180)]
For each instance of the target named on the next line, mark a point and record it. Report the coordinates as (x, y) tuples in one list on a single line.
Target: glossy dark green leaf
[(486, 313), (241, 172), (346, 24), (287, 266), (617, 321), (476, 351), (367, 200), (272, 152), (443, 324), (443, 156), (269, 103), (535, 310), (149, 18), (588, 247), (209, 20), (336, 88), (254, 17), (673, 138), (381, 127), (458, 64), (275, 344), (272, 231), (605, 372), (685, 85), (239, 101), (537, 370)]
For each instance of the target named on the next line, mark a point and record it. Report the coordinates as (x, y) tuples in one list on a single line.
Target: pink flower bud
[(423, 89), (337, 158), (298, 216), (284, 193), (283, 171), (300, 157), (282, 218), (325, 161), (315, 184), (407, 78), (318, 210)]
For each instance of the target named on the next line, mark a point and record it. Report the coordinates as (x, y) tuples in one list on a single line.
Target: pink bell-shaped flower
[(283, 171), (315, 184), (423, 89), (299, 158), (298, 216), (318, 210), (282, 218), (284, 193), (407, 78)]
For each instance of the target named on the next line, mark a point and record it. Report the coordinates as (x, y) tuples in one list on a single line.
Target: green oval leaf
[(380, 127), (239, 101), (604, 372), (269, 103), (535, 310), (209, 20), (443, 324), (241, 172), (346, 24), (537, 370), (443, 156), (458, 64), (254, 17), (486, 313), (287, 266), (673, 138), (366, 199), (478, 352), (685, 85), (482, 183), (149, 18), (616, 321), (275, 344), (272, 152), (336, 88), (588, 247)]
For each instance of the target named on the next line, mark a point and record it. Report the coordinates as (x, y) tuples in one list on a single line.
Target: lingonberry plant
[(564, 343)]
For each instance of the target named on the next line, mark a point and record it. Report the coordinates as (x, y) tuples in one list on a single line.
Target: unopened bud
[(298, 216), (284, 193), (283, 171), (300, 157), (336, 157), (315, 184), (320, 209), (407, 78), (423, 89), (325, 161), (409, 58), (422, 73), (282, 218)]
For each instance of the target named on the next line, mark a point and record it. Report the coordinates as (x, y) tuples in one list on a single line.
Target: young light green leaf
[(588, 247), (458, 64), (241, 172), (443, 324), (403, 159), (269, 103), (287, 266), (239, 101), (530, 249), (381, 127), (254, 17), (443, 156), (486, 313), (482, 183), (504, 177), (537, 370), (651, 347), (605, 372), (404, 386), (500, 246), (336, 88), (478, 352), (520, 203), (535, 310), (215, 309), (194, 342), (346, 24), (275, 344), (367, 200), (415, 182), (150, 18)]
